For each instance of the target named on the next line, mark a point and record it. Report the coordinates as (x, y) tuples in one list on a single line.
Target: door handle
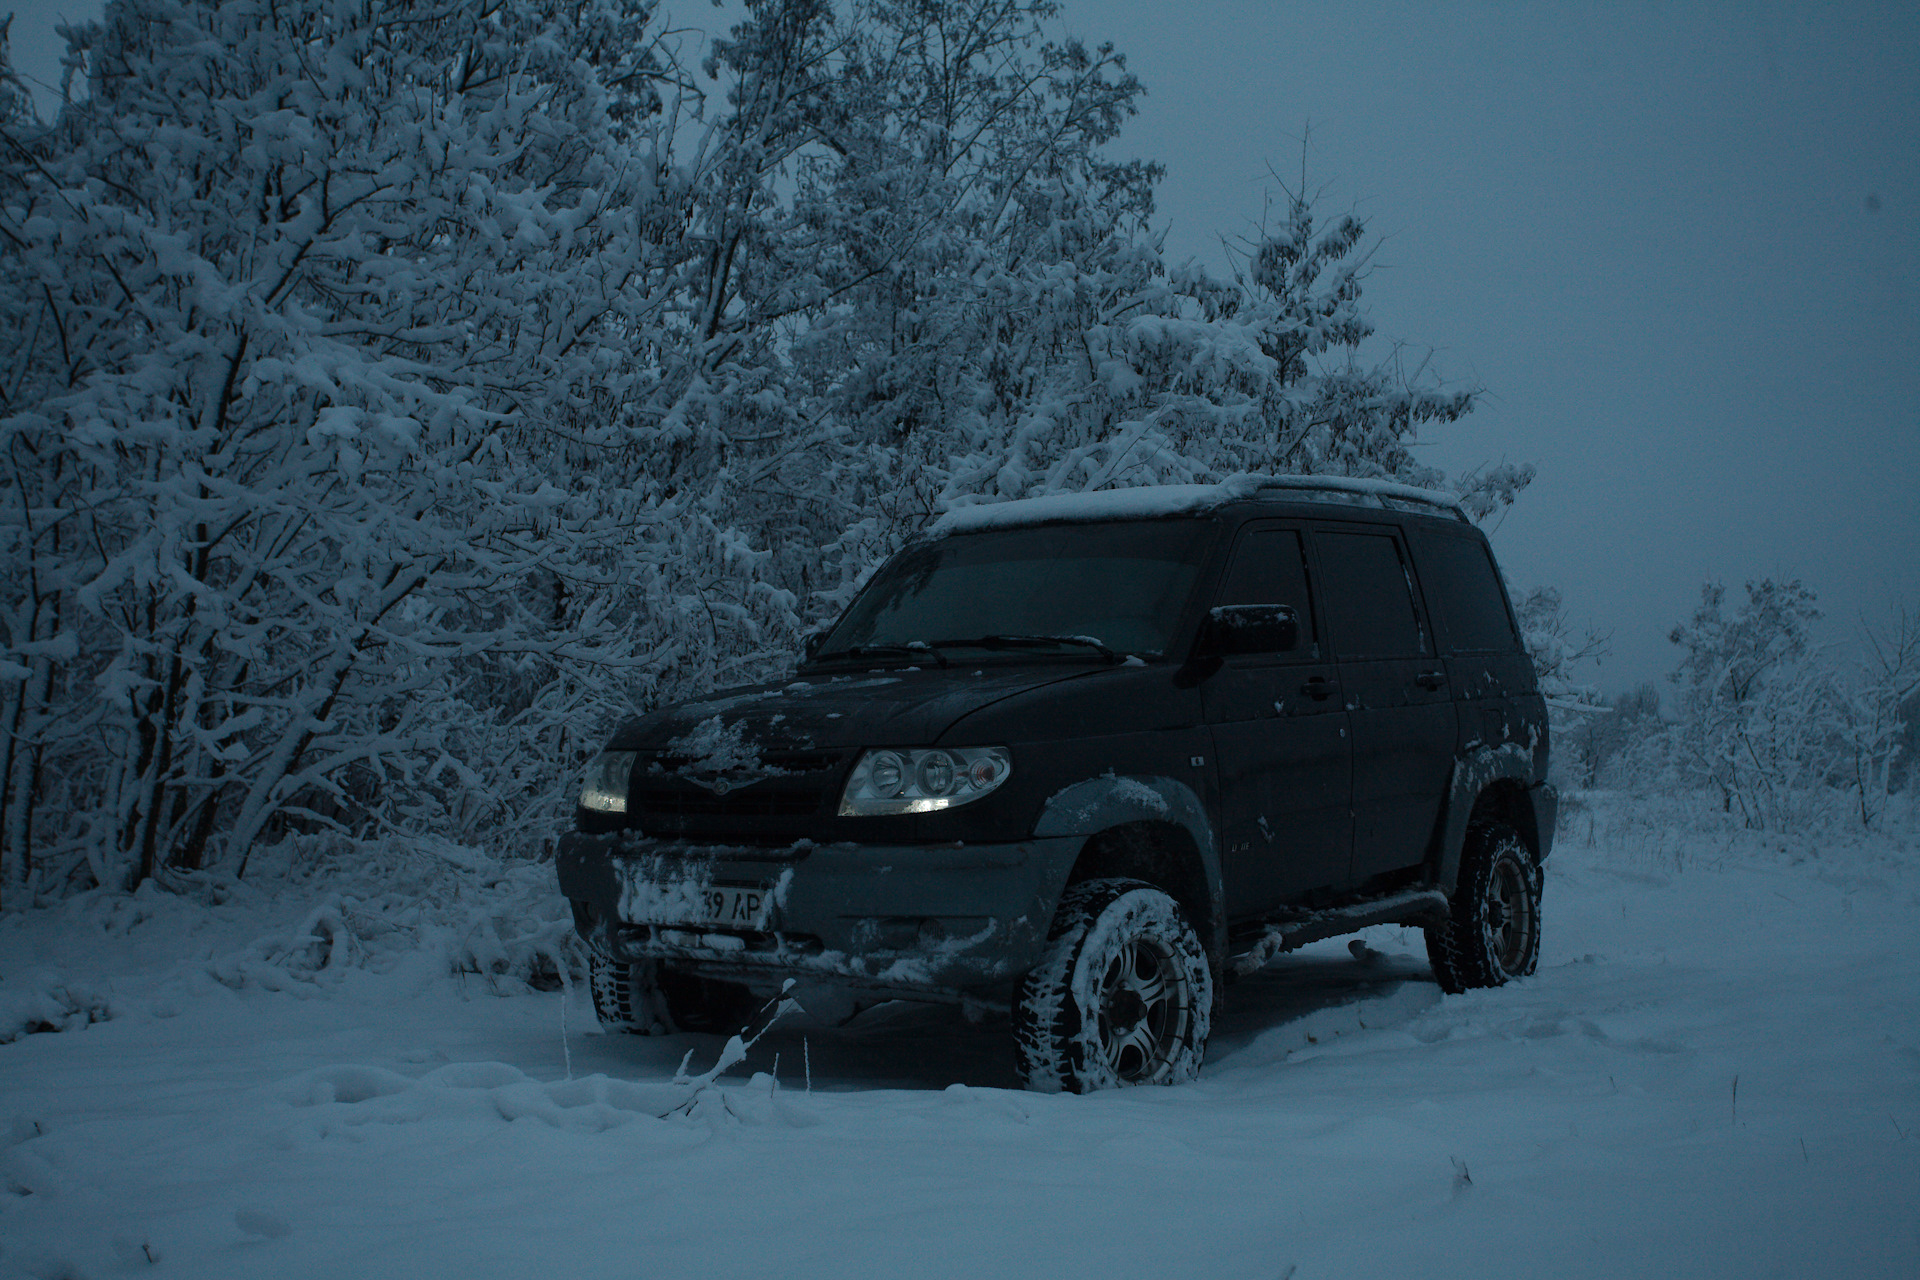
[(1431, 679), (1319, 688)]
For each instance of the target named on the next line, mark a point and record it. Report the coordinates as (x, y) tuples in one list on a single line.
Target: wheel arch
[(1160, 853), (1491, 784), (1145, 828)]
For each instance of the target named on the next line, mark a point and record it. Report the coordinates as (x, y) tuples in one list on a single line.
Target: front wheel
[(1123, 995), (1492, 933), (626, 996)]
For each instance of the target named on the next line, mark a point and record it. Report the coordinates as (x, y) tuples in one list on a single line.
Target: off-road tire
[(1492, 933), (643, 998), (1123, 994), (626, 996)]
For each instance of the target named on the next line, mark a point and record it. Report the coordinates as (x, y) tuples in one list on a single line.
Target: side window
[(1270, 567), (1369, 596), (1464, 589)]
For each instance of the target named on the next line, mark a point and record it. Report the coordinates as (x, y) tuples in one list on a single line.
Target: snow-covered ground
[(1716, 1072)]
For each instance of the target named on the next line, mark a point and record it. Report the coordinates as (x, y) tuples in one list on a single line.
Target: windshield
[(1122, 586)]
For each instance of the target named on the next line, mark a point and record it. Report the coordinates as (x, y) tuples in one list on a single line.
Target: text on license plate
[(741, 908)]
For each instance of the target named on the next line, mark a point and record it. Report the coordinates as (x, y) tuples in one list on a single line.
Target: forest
[(398, 395)]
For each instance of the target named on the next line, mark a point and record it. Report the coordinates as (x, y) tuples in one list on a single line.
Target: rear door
[(1279, 728), (1398, 702), (1487, 665)]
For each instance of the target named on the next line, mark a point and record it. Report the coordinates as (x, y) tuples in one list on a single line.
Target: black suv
[(1092, 756)]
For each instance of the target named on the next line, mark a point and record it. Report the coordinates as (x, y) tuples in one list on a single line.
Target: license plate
[(735, 907)]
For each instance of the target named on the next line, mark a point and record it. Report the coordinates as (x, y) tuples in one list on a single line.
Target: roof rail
[(1384, 493)]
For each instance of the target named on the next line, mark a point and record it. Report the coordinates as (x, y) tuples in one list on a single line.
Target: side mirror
[(1251, 628), (810, 648)]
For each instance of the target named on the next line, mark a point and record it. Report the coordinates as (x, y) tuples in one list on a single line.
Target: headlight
[(913, 780), (607, 778)]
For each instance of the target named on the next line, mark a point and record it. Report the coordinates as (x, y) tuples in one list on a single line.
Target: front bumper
[(926, 921)]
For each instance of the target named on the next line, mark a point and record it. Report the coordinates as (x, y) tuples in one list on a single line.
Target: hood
[(822, 712)]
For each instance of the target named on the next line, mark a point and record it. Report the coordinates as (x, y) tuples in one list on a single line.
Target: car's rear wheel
[(1492, 932), (642, 997), (1123, 995)]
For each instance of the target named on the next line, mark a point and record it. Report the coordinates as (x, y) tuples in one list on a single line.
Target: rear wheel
[(1492, 933), (641, 997), (1122, 996)]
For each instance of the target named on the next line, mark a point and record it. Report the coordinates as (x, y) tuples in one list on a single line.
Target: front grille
[(799, 785), (688, 802)]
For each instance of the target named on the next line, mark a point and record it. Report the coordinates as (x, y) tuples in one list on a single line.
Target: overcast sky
[(1678, 245)]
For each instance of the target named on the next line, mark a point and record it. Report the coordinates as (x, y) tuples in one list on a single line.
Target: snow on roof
[(1365, 488), (1143, 503), (1154, 501)]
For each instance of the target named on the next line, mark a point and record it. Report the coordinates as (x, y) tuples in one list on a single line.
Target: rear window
[(1464, 589), (1369, 596)]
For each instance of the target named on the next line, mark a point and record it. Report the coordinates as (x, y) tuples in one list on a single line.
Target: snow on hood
[(715, 749), (904, 707)]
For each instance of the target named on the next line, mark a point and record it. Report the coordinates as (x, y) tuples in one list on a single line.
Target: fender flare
[(1096, 804), (1473, 773)]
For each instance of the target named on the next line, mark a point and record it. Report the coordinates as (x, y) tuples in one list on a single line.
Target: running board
[(1419, 907)]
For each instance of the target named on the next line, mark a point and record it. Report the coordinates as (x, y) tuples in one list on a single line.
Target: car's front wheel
[(1492, 932), (1123, 995)]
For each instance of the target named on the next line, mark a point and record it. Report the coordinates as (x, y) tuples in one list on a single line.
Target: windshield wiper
[(916, 649), (1036, 642)]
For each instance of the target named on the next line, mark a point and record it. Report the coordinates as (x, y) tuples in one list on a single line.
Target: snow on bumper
[(928, 919)]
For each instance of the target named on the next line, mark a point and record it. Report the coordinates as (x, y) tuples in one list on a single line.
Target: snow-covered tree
[(975, 299), (1559, 650), (1878, 714), (1755, 713), (397, 392), (308, 302), (1601, 743)]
